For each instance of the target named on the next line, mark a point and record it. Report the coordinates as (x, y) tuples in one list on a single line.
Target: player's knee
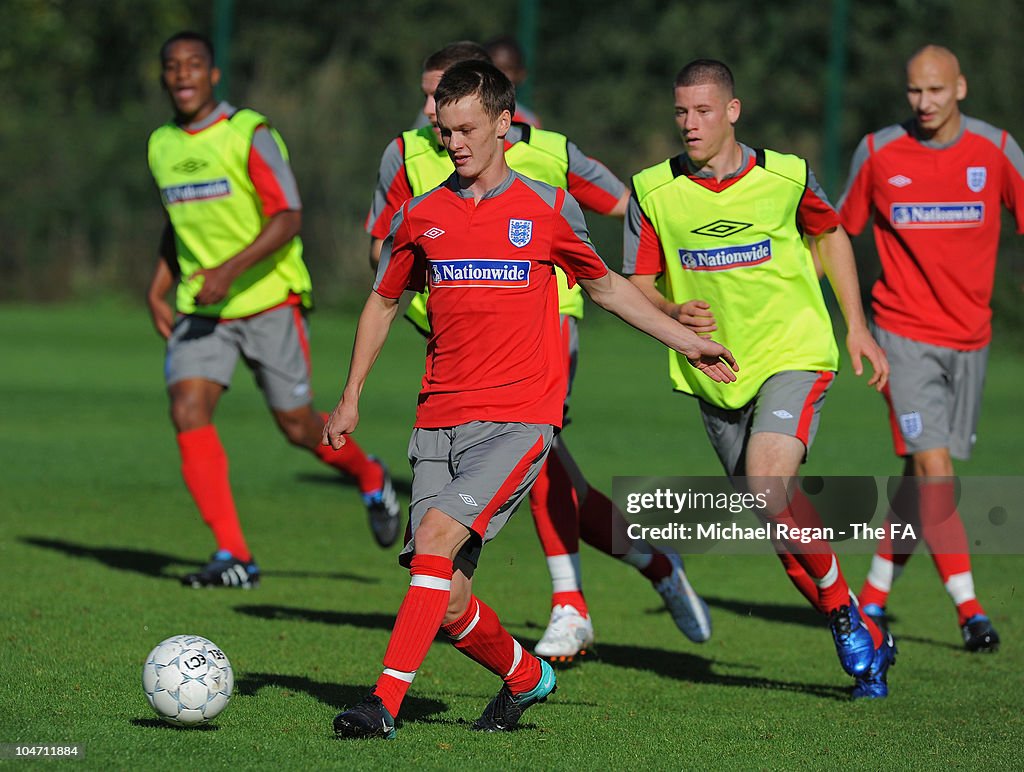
[(297, 428), (458, 602)]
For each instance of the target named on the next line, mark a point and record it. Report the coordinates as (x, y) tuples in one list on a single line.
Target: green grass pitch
[(96, 523)]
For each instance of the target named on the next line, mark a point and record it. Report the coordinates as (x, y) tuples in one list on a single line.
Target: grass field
[(96, 524)]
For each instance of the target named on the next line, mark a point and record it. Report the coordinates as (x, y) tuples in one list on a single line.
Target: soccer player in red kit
[(934, 187), (487, 241), (565, 506)]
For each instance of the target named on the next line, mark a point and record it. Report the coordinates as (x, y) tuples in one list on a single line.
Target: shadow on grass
[(401, 485), (795, 614), (684, 666), (369, 620), (337, 696), (156, 723), (156, 564)]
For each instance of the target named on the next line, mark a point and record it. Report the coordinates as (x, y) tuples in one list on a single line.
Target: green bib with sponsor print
[(541, 155), (215, 211), (740, 250)]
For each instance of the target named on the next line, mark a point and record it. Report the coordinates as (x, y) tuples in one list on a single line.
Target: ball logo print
[(187, 680)]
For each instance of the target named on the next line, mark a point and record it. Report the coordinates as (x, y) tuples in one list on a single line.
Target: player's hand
[(215, 287), (341, 422), (696, 314), (162, 315), (712, 359), (861, 343)]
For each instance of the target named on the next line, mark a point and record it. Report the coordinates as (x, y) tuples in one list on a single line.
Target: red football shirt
[(495, 352), (936, 225)]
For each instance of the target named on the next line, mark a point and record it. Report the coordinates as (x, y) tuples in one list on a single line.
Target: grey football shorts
[(274, 345), (476, 473), (787, 403), (934, 395)]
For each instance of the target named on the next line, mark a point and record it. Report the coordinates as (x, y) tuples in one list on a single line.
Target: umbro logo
[(899, 181), (190, 165), (433, 233), (783, 414), (468, 499), (721, 228)]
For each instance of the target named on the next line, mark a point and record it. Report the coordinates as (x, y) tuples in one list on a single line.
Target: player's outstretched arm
[(374, 323), (695, 314), (836, 254), (616, 294)]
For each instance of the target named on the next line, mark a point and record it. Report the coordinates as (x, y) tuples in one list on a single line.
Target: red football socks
[(419, 618), (479, 634), (351, 460), (204, 465)]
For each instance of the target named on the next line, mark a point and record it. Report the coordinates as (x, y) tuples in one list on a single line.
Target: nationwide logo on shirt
[(480, 273), (196, 191), (966, 214), (727, 257)]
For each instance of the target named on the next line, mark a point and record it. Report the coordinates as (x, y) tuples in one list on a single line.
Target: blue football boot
[(854, 646), (873, 684)]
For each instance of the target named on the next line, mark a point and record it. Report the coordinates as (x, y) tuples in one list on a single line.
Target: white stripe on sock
[(401, 675), (431, 582), (469, 629), (831, 576), (881, 573), (639, 555), (517, 656), (961, 587), (565, 572)]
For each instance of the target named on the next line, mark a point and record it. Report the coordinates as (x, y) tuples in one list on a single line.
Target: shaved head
[(935, 87), (937, 57)]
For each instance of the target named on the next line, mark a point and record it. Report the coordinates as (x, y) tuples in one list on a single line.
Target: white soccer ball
[(187, 680)]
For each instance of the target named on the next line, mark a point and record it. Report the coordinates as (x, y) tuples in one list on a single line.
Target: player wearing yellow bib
[(729, 225), (564, 505), (232, 253)]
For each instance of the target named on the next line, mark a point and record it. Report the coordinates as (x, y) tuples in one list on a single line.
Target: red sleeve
[(815, 214), (642, 253), (393, 190), (855, 204), (1013, 180), (402, 265), (571, 249), (271, 175)]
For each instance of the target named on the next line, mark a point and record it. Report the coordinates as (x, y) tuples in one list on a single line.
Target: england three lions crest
[(520, 232), (976, 178)]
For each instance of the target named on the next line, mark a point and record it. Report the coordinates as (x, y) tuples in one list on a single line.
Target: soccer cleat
[(569, 635), (873, 684), (979, 635), (365, 721), (502, 714), (383, 509), (877, 615), (225, 570), (688, 609), (853, 641)]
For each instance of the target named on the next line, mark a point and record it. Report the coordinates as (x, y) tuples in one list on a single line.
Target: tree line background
[(79, 81)]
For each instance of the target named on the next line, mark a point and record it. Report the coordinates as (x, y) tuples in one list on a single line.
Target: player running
[(726, 223), (935, 185), (486, 241), (232, 253)]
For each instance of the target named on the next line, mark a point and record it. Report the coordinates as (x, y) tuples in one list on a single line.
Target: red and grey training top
[(495, 351), (936, 224)]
